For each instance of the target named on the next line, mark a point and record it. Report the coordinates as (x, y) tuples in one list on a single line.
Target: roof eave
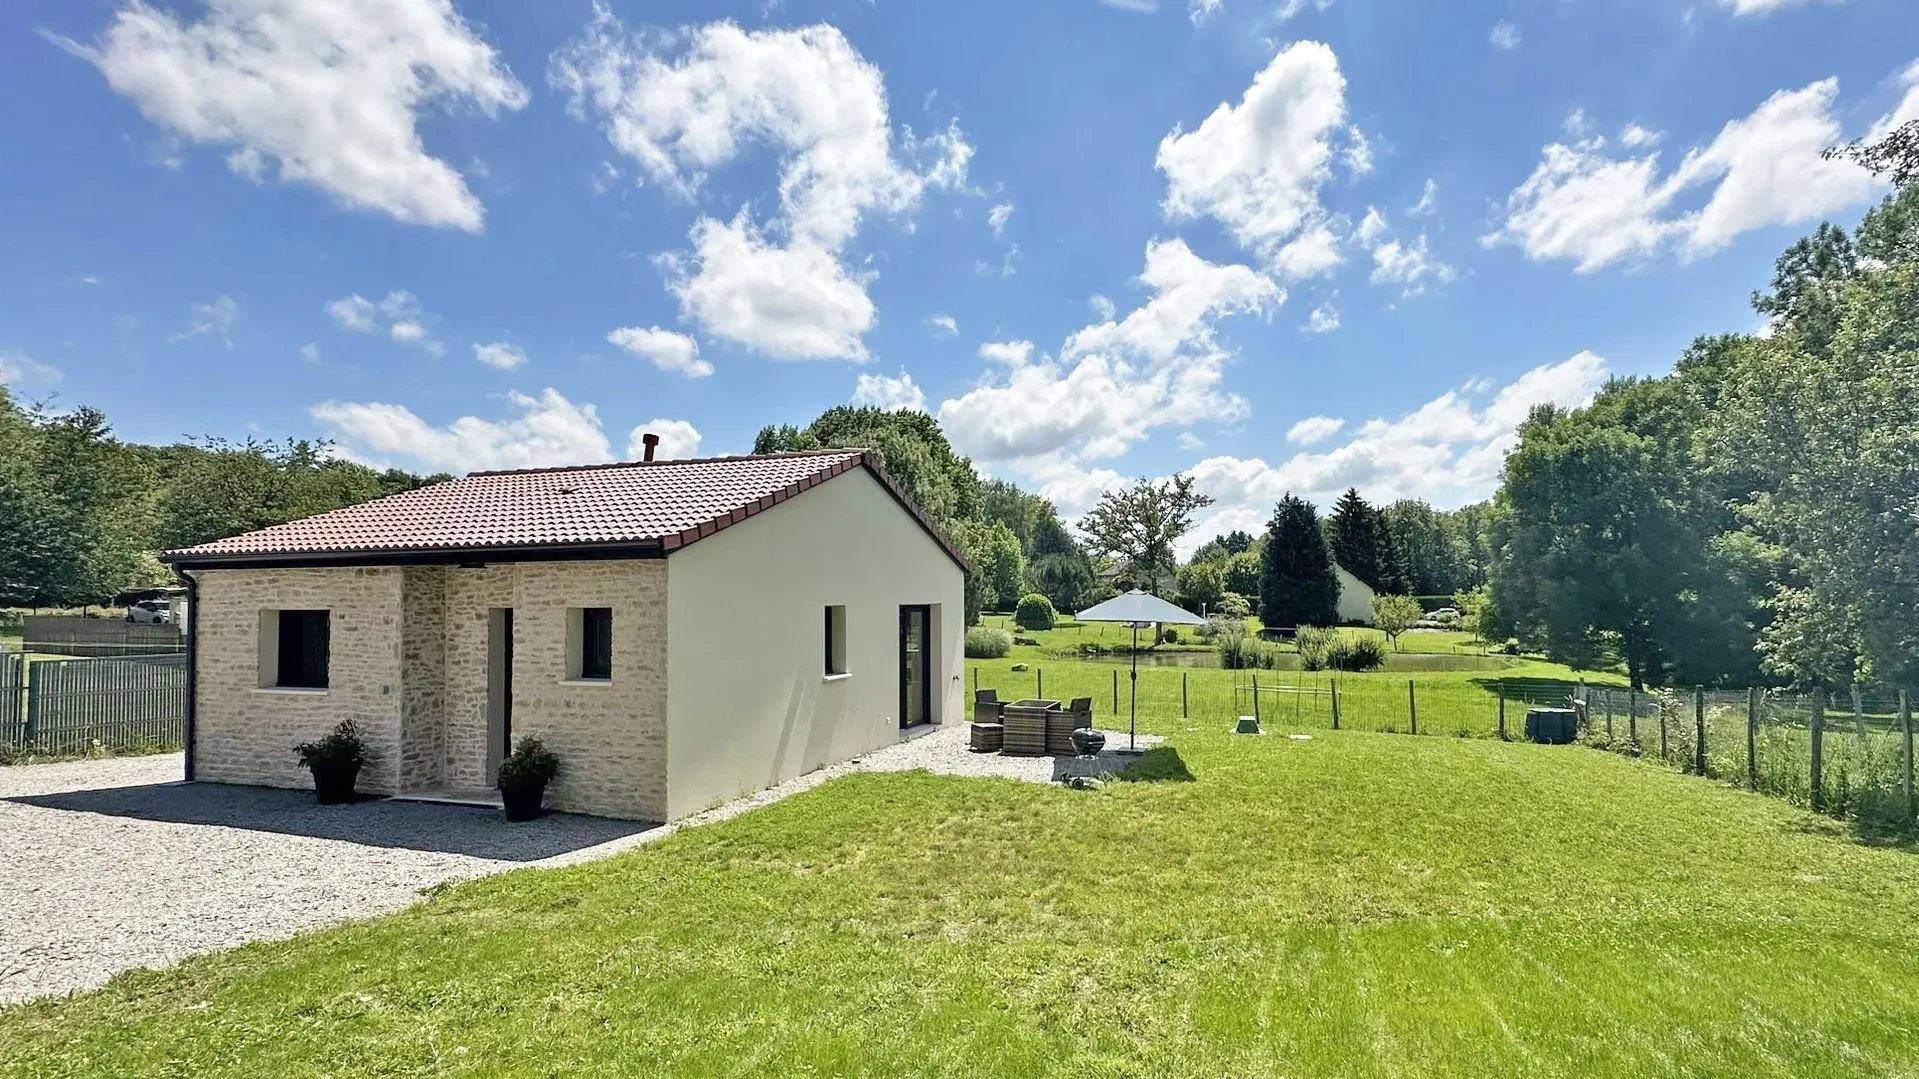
[(433, 556)]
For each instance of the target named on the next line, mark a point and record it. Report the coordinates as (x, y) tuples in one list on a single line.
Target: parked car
[(1445, 614), (152, 612)]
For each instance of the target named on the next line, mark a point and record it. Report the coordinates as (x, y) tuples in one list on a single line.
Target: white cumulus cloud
[(214, 319), (546, 430), (328, 92), (683, 106), (1257, 166), (1449, 450), (944, 324), (500, 354), (1113, 381), (17, 368), (679, 440), (1592, 205), (1313, 429), (893, 394), (1324, 319), (666, 350), (1505, 35)]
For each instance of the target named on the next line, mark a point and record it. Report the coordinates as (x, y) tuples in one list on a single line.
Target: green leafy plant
[(987, 642), (340, 750), (529, 768), (1363, 654), (1169, 636), (1315, 646), (1035, 612)]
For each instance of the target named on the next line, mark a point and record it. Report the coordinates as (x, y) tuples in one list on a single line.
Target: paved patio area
[(113, 865)]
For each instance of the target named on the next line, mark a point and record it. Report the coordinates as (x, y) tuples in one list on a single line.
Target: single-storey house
[(1355, 598), (677, 632)]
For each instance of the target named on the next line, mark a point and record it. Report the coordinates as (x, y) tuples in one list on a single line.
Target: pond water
[(1396, 662)]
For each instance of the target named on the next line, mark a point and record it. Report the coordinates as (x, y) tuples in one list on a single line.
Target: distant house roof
[(633, 509)]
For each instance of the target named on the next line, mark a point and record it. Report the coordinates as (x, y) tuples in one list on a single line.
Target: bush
[(1363, 654), (530, 767), (1234, 605), (1035, 612), (986, 642), (1237, 650), (1169, 636), (341, 749), (1315, 646)]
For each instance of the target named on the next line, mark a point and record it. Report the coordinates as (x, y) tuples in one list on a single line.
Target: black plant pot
[(333, 784), (523, 805), (1089, 741)]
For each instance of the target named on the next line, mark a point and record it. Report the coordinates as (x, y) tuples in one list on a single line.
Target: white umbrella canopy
[(1137, 606), (1137, 609)]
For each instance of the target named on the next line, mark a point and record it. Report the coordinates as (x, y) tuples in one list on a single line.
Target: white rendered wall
[(748, 702)]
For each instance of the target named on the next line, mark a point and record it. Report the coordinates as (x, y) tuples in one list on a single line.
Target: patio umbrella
[(1139, 610)]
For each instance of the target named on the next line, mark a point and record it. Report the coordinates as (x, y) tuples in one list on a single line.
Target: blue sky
[(1285, 244)]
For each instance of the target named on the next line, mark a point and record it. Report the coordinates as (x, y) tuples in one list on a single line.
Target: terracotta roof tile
[(671, 503)]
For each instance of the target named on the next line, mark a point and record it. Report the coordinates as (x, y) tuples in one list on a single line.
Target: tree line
[(1754, 515), (84, 514)]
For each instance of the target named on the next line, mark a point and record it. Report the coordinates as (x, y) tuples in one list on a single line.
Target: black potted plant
[(523, 777), (335, 762)]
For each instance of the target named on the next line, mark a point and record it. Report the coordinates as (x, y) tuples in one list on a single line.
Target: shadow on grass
[(1159, 765)]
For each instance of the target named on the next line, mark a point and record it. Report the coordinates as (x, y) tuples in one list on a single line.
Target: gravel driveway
[(111, 865)]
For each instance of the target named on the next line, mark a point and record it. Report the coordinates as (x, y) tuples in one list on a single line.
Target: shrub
[(1363, 654), (1315, 646), (1169, 636), (339, 750), (1234, 605), (1208, 631), (530, 767), (1238, 650), (1035, 612), (986, 642)]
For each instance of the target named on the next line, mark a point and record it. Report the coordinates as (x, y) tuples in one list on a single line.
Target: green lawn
[(1357, 904)]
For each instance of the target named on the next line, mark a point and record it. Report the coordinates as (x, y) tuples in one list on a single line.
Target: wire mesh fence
[(1477, 707), (74, 707), (1847, 754)]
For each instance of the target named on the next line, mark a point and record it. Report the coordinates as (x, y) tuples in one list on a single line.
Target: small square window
[(836, 640), (589, 644), (301, 651)]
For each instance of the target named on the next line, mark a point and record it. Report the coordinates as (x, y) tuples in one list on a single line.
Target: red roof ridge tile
[(846, 451)]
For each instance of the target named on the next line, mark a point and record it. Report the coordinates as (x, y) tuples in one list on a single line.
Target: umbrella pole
[(1132, 722)]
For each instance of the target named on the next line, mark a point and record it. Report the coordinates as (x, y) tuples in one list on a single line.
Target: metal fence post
[(1905, 730), (1663, 754), (1183, 712), (1502, 709), (1699, 730), (1752, 738), (1412, 704), (1039, 684), (1255, 696), (1819, 748)]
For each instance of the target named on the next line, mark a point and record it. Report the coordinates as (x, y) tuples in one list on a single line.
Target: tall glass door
[(916, 685)]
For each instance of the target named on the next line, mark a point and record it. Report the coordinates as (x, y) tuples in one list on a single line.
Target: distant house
[(678, 632), (1355, 598)]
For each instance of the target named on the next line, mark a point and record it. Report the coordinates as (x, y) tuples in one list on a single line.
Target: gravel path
[(111, 865)]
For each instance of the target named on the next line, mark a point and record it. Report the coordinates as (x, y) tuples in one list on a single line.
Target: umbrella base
[(1130, 752)]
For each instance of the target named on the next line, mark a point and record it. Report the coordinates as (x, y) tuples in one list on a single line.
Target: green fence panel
[(130, 702)]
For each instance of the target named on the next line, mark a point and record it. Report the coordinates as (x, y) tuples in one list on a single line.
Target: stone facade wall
[(423, 613), (409, 663), (611, 736), (245, 733), (470, 595)]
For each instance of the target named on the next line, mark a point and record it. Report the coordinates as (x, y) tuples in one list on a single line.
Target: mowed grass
[(1456, 703), (1353, 905)]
